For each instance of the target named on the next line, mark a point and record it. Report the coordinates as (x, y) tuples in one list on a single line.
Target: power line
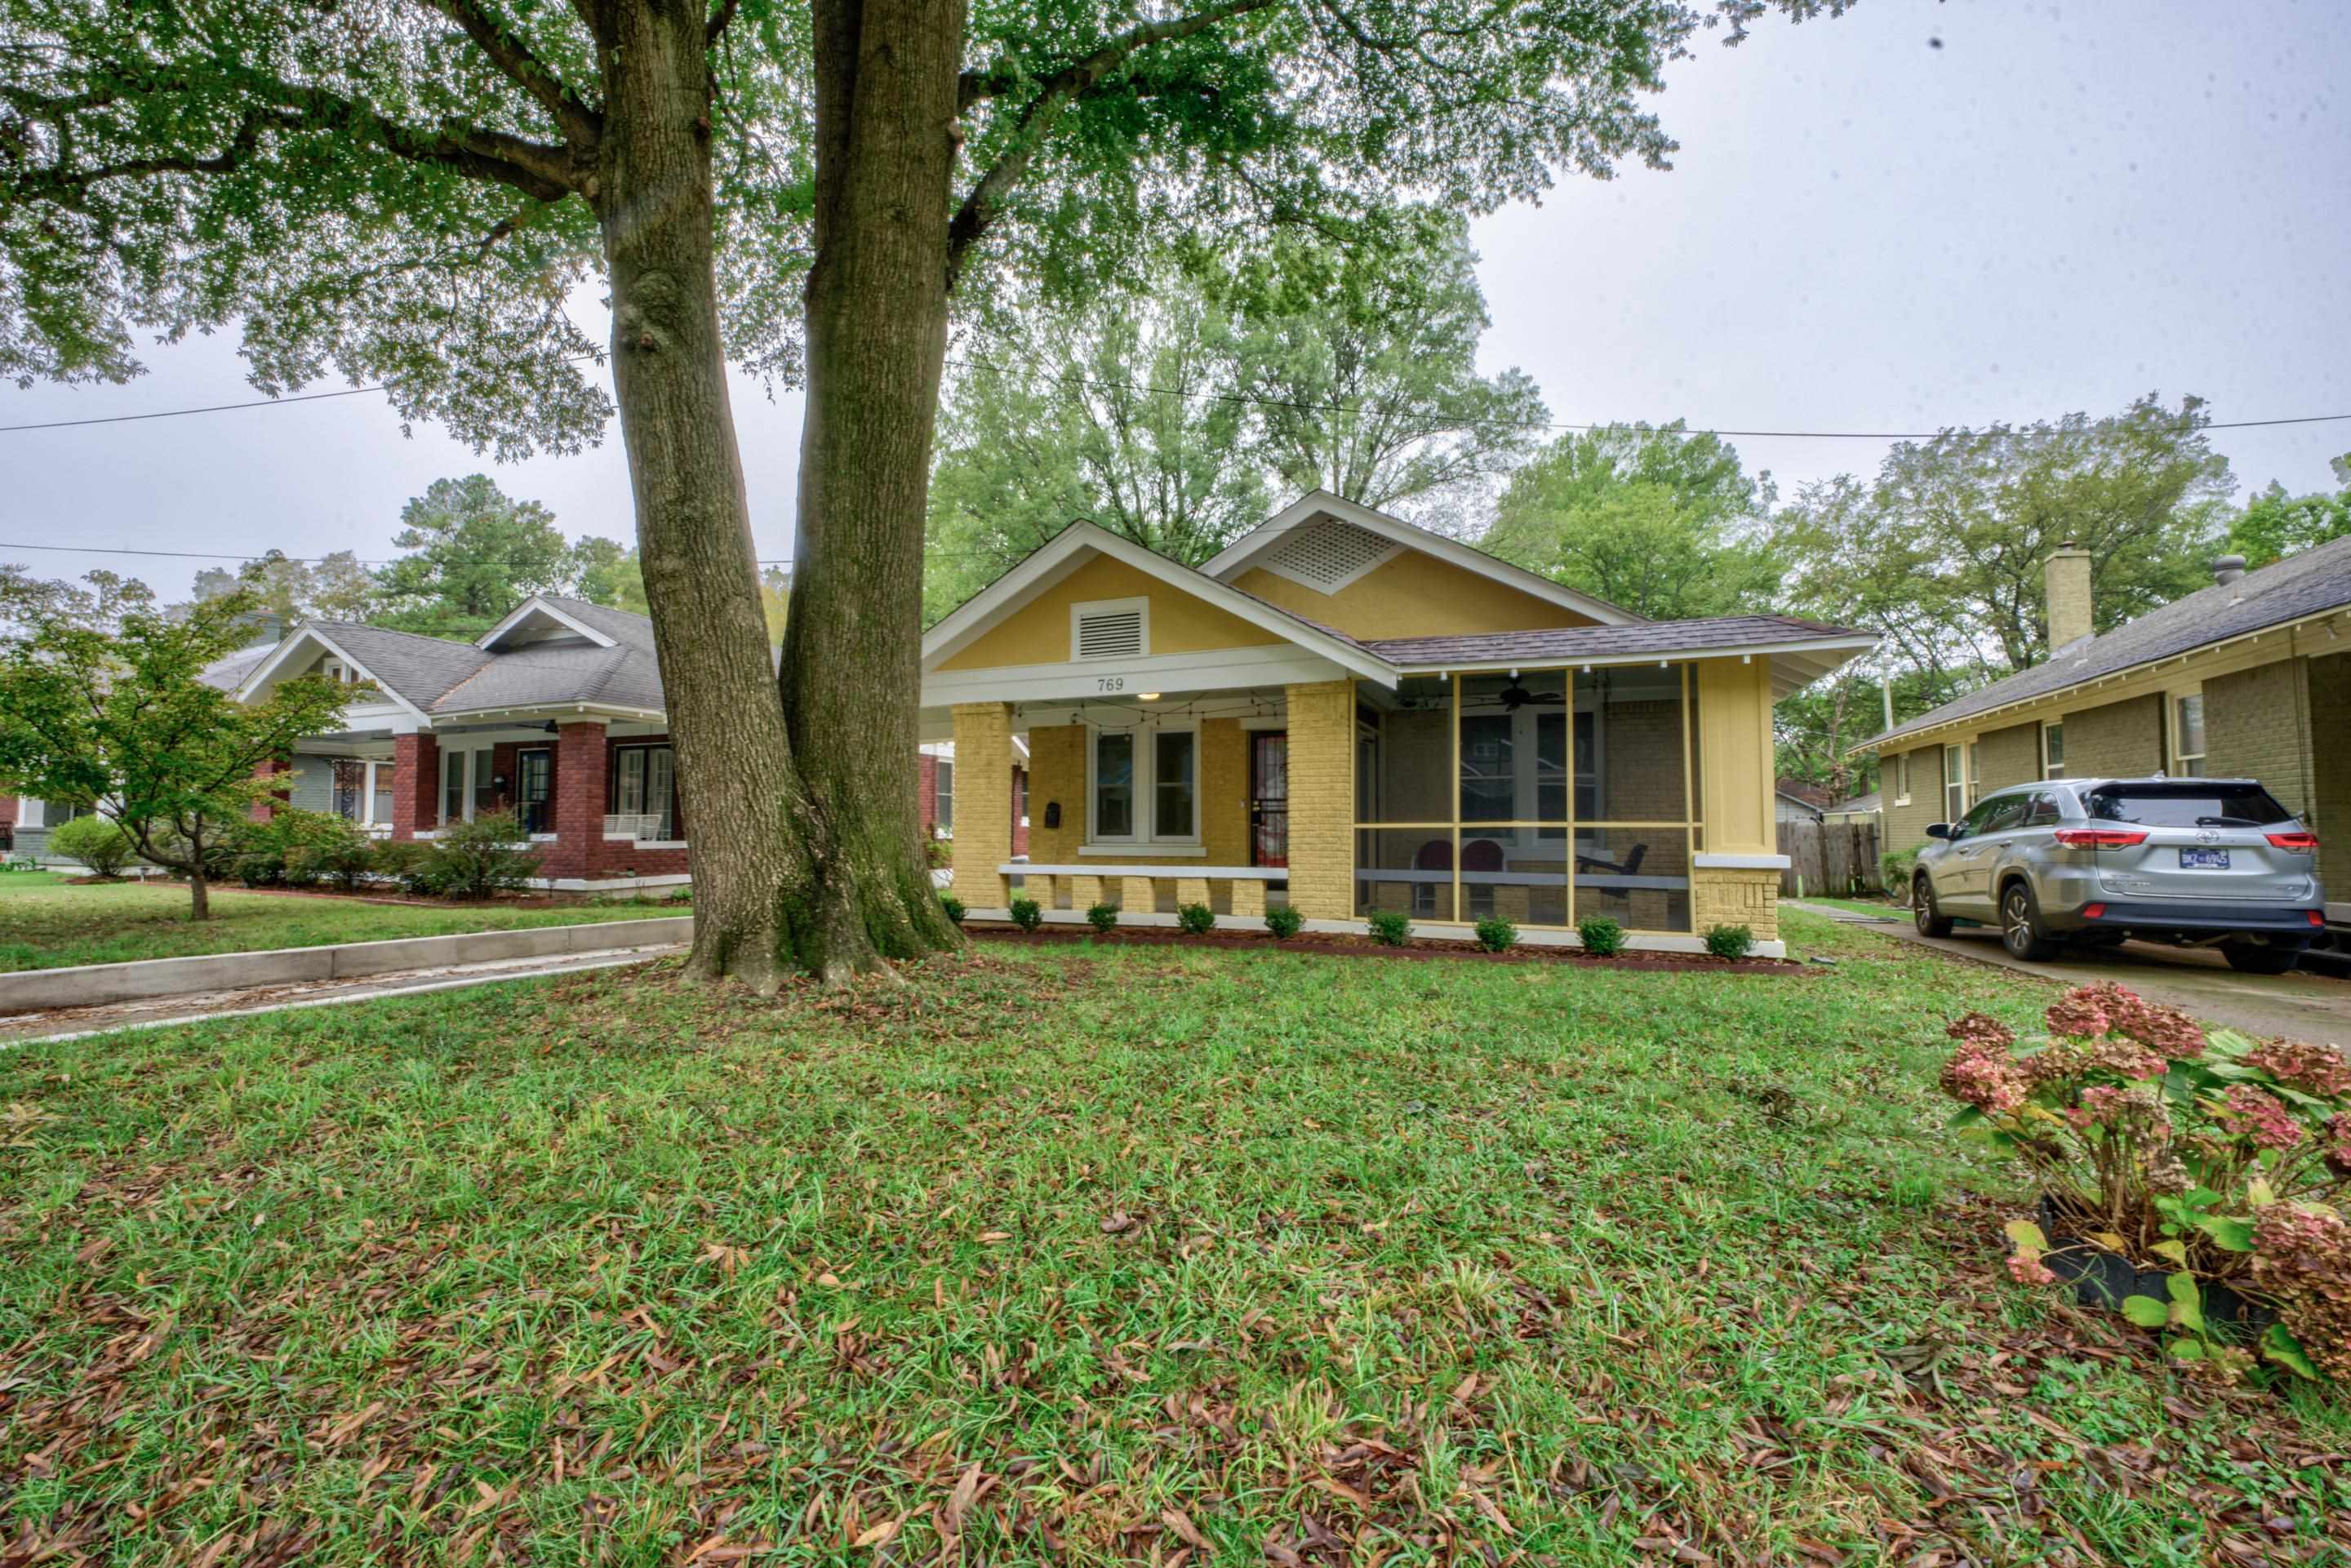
[(264, 556), (226, 407)]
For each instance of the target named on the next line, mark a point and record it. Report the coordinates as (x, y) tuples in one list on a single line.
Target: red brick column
[(263, 810), (579, 847), (415, 785)]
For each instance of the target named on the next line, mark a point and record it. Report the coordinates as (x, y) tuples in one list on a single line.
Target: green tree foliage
[(475, 552), (1667, 524), (2275, 524), (1179, 412), (335, 586), (1943, 553), (122, 719)]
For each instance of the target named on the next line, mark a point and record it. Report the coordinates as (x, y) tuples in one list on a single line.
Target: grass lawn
[(47, 923), (1082, 1256), (1866, 906)]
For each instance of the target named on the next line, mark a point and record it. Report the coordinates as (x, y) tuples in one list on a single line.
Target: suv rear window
[(2185, 805)]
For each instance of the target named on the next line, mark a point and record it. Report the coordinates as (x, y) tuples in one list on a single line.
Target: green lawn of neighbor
[(47, 922), (1066, 1255)]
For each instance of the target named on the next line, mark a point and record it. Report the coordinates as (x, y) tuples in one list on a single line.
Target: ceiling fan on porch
[(1515, 696)]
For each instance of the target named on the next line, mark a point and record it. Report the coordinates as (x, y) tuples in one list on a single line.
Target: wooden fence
[(1829, 858)]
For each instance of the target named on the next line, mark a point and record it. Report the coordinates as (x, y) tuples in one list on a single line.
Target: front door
[(535, 777), (1269, 797)]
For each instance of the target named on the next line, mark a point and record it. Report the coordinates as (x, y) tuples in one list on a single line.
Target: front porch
[(598, 799)]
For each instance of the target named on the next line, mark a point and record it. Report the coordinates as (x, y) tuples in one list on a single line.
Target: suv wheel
[(2258, 959), (2020, 925), (1922, 908)]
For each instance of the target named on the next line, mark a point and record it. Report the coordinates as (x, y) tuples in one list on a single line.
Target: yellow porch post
[(1736, 768), (983, 830), (1322, 799)]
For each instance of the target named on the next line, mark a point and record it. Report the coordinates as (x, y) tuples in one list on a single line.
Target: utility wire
[(1146, 388), (263, 556)]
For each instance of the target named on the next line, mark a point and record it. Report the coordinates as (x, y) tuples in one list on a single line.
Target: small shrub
[(342, 854), (484, 857), (1390, 928), (1104, 917), (1894, 868), (683, 894), (1028, 914), (413, 866), (1496, 935), (274, 853), (100, 844), (953, 906), (939, 853), (1729, 941), (1284, 921), (1195, 920), (1601, 936)]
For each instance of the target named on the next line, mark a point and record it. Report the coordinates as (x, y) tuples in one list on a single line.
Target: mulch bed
[(520, 901), (1365, 947)]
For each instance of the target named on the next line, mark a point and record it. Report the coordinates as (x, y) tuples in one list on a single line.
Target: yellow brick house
[(1351, 714)]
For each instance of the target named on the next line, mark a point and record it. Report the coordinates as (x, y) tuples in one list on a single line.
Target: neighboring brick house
[(1351, 715), (2250, 677), (936, 791)]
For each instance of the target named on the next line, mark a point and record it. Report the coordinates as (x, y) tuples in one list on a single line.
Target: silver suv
[(2200, 861)]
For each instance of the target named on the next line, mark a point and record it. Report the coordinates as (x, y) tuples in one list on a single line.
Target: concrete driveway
[(2299, 1006)]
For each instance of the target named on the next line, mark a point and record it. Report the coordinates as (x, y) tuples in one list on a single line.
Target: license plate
[(2203, 860)]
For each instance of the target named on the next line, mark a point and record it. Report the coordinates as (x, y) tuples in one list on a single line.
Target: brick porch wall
[(416, 784), (577, 789)]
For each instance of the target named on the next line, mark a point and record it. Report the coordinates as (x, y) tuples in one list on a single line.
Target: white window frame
[(1144, 840), (943, 797), (1902, 777), (2175, 731), (477, 757), (1955, 777), (2048, 728), (1078, 612)]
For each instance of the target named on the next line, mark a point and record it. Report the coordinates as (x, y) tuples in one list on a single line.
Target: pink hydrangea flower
[(2254, 1113), (2338, 1143), (2312, 1069), (1978, 1028), (2083, 1013), (2027, 1270)]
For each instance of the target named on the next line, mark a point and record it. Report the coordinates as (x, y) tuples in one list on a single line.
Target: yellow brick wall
[(2256, 724), (2330, 809), (1322, 799), (2115, 740), (1057, 771), (1749, 898), (982, 841)]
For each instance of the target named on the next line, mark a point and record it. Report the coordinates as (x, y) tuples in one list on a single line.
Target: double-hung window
[(943, 798), (1143, 786), (2053, 749), (1954, 784), (2187, 733)]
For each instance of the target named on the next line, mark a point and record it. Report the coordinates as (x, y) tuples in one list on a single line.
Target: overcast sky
[(1920, 214)]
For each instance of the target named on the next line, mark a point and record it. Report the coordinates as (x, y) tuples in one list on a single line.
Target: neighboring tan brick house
[(936, 792), (2250, 677), (1352, 715)]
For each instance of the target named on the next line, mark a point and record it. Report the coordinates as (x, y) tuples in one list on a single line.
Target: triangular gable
[(535, 619), (964, 635), (1298, 545), (298, 650)]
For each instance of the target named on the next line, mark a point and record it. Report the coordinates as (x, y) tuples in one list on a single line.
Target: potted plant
[(2195, 1180)]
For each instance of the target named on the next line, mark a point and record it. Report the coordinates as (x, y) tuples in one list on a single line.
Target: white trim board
[(535, 604)]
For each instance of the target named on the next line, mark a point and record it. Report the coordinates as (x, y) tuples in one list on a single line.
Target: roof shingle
[(1567, 644)]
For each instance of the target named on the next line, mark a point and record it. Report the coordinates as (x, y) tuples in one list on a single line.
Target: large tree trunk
[(886, 79), (754, 857)]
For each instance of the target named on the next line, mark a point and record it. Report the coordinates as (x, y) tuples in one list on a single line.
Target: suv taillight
[(2100, 837), (2307, 844)]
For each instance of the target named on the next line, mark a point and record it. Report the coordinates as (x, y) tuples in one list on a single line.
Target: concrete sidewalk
[(2197, 979), (73, 1023)]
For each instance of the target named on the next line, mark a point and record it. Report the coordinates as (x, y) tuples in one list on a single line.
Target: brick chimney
[(2068, 582)]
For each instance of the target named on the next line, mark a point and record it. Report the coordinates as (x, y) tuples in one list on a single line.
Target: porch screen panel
[(1560, 793), (1113, 804), (1406, 870)]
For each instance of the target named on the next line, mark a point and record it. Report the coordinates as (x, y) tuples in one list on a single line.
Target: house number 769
[(1110, 683)]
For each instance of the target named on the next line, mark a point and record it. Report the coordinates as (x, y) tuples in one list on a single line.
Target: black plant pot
[(2101, 1279)]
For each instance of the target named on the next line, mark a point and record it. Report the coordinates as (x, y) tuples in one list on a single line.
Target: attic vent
[(1328, 555), (1111, 631)]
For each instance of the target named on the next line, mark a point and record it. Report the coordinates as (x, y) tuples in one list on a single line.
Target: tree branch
[(1055, 94), (719, 21), (581, 126)]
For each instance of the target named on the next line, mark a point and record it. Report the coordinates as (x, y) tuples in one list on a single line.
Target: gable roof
[(2314, 582), (1054, 559), (611, 666), (1801, 650), (1318, 507)]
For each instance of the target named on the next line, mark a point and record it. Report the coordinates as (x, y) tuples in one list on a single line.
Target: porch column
[(1735, 793), (416, 784), (1248, 898), (579, 789), (1322, 799), (983, 808)]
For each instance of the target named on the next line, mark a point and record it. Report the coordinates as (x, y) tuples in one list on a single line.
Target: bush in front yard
[(342, 854), (1104, 917), (484, 858), (1028, 914), (1195, 920), (1729, 941), (1284, 921), (1390, 928), (274, 853), (412, 866), (1601, 936), (1496, 935), (953, 906), (96, 842)]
